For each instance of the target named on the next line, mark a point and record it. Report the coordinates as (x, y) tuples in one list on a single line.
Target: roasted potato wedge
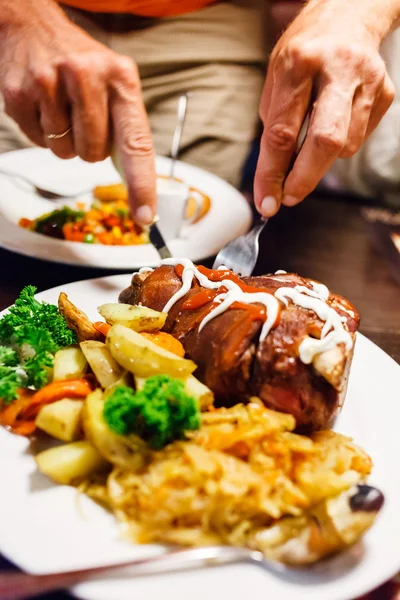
[(77, 320), (138, 318), (69, 363), (125, 379), (70, 463), (142, 357), (193, 387), (62, 419), (124, 451), (105, 368)]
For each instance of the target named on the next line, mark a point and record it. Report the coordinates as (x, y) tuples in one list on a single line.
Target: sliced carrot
[(106, 238), (72, 233), (70, 388), (25, 223), (103, 328), (10, 415), (11, 412), (166, 341), (24, 428)]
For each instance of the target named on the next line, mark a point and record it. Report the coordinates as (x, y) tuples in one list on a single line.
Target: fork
[(241, 254)]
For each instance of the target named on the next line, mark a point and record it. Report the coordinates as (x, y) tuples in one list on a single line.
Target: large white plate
[(45, 527), (229, 216)]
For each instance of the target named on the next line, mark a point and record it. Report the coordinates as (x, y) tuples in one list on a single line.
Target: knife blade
[(158, 241)]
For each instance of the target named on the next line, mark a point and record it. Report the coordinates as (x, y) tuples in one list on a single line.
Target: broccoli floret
[(31, 332), (159, 413)]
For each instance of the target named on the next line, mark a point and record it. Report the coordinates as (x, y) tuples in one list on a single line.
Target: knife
[(158, 241), (154, 233)]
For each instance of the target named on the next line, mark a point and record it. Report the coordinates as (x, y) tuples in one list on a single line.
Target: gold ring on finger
[(57, 136)]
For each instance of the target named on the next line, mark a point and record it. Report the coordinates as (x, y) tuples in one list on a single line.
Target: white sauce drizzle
[(321, 289), (187, 278), (332, 334), (351, 313), (235, 294), (309, 347), (280, 272)]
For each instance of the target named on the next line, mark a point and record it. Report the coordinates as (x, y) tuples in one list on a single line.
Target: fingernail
[(290, 201), (269, 206), (144, 215)]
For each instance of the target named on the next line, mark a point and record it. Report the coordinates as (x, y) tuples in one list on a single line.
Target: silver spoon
[(17, 586), (176, 140), (43, 192)]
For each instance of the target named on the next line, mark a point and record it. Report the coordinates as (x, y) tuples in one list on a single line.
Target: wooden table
[(323, 238), (326, 239)]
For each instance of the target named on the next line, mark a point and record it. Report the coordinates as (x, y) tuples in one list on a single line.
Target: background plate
[(228, 218)]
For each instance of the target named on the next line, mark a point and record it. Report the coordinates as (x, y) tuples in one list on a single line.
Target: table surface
[(324, 238)]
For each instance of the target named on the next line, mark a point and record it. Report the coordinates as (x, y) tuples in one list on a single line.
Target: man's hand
[(327, 63), (54, 76)]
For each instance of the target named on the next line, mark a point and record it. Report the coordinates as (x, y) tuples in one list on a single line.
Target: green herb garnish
[(159, 413), (52, 223), (30, 333)]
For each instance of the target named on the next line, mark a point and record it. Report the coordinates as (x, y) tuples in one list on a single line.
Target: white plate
[(45, 527), (229, 216)]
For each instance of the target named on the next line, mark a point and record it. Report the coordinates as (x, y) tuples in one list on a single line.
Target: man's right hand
[(326, 65), (54, 76)]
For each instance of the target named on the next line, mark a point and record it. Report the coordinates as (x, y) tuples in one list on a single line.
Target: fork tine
[(241, 255), (221, 259)]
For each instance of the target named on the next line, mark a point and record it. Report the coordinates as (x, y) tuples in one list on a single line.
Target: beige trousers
[(218, 54)]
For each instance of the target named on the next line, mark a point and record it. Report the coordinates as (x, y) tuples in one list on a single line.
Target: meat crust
[(236, 365)]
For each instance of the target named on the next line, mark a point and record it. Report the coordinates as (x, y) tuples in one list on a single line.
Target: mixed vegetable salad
[(104, 223), (107, 221)]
